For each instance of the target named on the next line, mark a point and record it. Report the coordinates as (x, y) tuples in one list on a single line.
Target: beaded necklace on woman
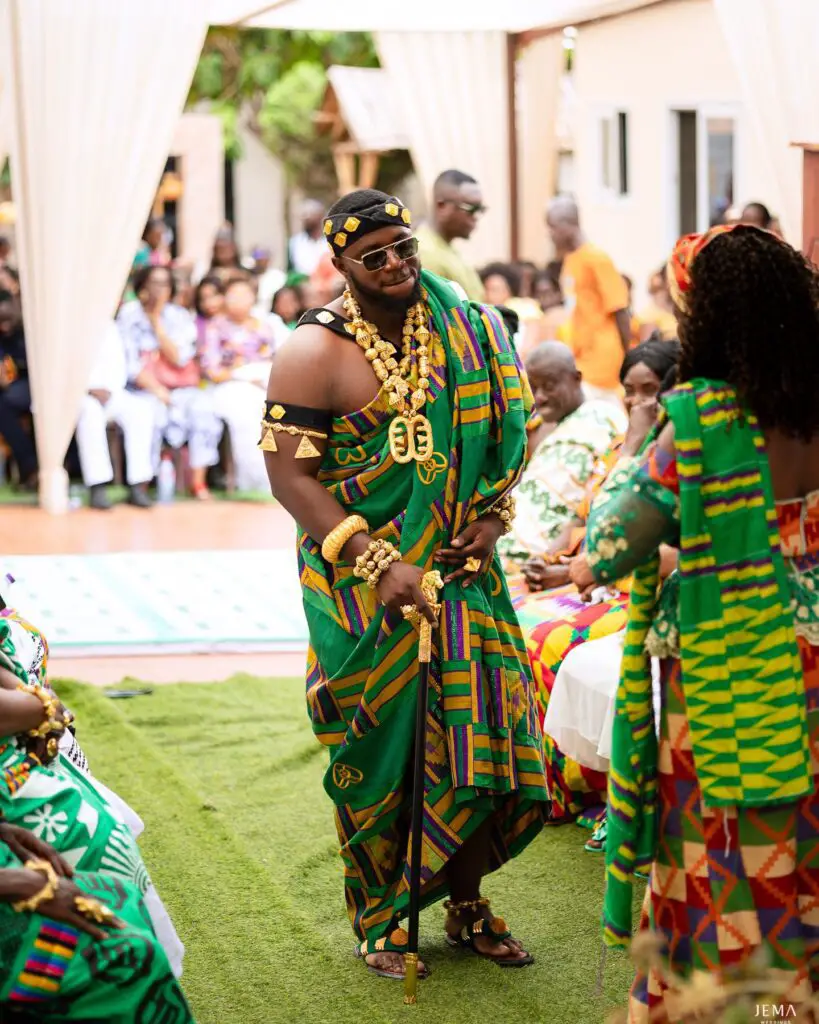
[(410, 433)]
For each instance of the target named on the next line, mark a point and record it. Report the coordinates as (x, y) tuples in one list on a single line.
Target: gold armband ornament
[(336, 539), (375, 561), (272, 425)]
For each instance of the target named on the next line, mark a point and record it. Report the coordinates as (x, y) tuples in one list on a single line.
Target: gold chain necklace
[(410, 434)]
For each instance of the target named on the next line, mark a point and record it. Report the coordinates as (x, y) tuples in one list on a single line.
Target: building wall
[(260, 195), (650, 63), (199, 148)]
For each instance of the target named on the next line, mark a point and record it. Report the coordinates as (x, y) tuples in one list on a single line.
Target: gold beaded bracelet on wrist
[(48, 891), (505, 511), (375, 561), (336, 539), (51, 723)]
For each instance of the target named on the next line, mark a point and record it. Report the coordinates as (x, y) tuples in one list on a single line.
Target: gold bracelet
[(48, 891), (51, 706), (505, 511), (306, 448), (336, 539), (375, 561)]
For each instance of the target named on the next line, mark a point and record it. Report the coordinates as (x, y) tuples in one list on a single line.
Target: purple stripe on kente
[(696, 549), (745, 493), (740, 588), (725, 481), (352, 610), (455, 628), (498, 695), (473, 355), (462, 749)]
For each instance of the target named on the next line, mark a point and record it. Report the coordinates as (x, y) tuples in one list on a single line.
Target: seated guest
[(502, 284), (42, 791), (555, 481), (108, 401), (160, 347), (235, 357), (286, 310), (559, 608), (269, 279), (77, 945), (15, 394), (208, 301), (224, 261)]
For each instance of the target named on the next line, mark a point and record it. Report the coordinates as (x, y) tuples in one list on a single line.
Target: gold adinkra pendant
[(410, 438)]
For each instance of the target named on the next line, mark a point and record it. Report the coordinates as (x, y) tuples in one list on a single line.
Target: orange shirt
[(594, 291)]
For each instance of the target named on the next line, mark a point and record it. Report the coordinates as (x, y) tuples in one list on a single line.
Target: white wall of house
[(260, 194), (648, 65)]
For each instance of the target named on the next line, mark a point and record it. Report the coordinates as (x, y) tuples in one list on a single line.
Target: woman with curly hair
[(725, 805)]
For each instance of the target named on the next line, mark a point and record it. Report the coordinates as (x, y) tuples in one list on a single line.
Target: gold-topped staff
[(430, 585)]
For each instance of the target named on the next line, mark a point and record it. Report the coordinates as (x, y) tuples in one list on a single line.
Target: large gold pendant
[(410, 438)]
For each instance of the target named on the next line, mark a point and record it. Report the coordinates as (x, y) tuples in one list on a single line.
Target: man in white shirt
[(107, 402), (307, 248)]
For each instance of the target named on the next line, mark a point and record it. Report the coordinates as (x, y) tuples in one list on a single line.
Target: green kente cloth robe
[(483, 738)]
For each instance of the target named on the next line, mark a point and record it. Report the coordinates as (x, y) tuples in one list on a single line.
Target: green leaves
[(278, 78)]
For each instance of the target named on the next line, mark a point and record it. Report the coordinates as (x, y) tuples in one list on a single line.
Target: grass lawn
[(241, 845)]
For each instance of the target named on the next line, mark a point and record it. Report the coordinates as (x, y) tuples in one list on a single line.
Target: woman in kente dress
[(724, 807)]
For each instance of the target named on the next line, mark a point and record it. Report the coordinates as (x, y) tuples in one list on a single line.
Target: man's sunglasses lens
[(404, 250)]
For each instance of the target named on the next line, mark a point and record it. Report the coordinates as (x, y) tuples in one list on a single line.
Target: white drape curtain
[(450, 91), (540, 67), (96, 89), (774, 47)]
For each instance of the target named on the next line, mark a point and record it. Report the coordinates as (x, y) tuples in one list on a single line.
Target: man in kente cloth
[(394, 432)]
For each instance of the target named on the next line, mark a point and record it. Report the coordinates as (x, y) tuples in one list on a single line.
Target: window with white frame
[(614, 146), (706, 171)]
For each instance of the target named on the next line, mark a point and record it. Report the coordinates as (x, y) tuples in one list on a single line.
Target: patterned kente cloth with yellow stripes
[(483, 739), (741, 671)]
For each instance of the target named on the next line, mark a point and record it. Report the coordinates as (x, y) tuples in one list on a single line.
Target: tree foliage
[(279, 78)]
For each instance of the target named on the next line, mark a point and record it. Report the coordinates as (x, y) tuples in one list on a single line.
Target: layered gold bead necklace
[(410, 433)]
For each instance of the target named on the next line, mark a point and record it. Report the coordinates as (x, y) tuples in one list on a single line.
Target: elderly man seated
[(568, 459)]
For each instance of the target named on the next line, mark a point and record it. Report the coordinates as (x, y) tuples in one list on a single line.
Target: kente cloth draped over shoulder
[(483, 738), (741, 670)]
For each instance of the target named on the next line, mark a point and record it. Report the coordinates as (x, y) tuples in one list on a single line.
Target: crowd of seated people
[(179, 374)]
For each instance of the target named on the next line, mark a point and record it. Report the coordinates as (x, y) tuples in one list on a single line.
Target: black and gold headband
[(344, 229)]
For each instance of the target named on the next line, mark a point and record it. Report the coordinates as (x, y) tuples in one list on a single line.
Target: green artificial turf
[(240, 842)]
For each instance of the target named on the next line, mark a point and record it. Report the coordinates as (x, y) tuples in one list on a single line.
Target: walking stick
[(430, 585)]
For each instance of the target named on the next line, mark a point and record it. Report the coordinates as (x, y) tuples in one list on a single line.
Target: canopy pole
[(511, 101)]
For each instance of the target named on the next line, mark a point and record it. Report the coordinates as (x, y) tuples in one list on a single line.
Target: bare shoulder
[(303, 367)]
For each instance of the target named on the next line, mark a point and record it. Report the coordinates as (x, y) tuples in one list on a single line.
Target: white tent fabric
[(774, 47), (425, 15), (456, 115), (96, 90)]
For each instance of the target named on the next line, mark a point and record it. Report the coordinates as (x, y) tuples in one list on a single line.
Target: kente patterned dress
[(484, 757), (56, 973), (726, 804)]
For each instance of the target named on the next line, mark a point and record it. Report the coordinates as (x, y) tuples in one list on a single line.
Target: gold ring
[(93, 910), (408, 610), (473, 564)]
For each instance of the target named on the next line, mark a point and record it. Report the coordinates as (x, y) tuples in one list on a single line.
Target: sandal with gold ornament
[(493, 928), (396, 942)]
